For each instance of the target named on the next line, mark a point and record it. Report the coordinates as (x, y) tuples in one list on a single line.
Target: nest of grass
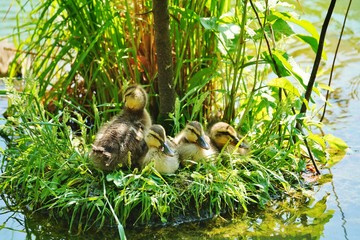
[(45, 168)]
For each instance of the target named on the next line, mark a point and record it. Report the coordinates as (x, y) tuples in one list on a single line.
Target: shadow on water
[(293, 218), (300, 218), (338, 204)]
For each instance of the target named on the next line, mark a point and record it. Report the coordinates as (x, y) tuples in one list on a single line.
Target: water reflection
[(12, 223), (338, 204), (296, 217), (300, 218)]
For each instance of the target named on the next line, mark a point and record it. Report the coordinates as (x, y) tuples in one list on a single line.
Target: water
[(12, 223), (344, 190), (335, 211)]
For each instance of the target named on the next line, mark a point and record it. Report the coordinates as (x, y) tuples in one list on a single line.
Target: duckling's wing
[(133, 142), (119, 143)]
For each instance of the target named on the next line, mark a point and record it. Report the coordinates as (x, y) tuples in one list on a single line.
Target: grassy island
[(230, 63)]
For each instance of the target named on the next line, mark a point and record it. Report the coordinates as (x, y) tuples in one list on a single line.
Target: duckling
[(166, 161), (223, 135), (121, 141), (193, 144)]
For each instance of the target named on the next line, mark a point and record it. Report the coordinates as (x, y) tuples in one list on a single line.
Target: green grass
[(46, 169), (86, 52)]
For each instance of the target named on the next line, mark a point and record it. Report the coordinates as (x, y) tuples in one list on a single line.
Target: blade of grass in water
[(119, 225)]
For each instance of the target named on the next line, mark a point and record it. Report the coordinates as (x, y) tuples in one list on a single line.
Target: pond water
[(334, 211)]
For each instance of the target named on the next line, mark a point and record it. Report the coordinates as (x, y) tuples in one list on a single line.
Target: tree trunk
[(164, 62)]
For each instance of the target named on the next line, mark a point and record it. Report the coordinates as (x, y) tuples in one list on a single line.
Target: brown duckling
[(225, 138), (166, 160), (121, 141), (193, 144)]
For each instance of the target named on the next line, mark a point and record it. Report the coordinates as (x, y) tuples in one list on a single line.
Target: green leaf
[(100, 203), (325, 178), (318, 139), (199, 103), (200, 78), (209, 23), (290, 65), (335, 142), (280, 26), (282, 71), (308, 26), (325, 87), (335, 157), (313, 42), (285, 84)]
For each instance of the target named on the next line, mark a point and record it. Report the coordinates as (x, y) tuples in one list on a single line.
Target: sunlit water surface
[(334, 213)]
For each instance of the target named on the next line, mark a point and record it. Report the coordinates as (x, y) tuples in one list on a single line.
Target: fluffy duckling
[(166, 161), (121, 141), (223, 135), (193, 144)]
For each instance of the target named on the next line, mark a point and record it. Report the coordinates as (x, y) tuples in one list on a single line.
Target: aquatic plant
[(222, 54), (46, 169)]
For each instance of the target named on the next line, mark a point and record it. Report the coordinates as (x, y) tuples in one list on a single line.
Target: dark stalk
[(316, 62), (333, 63), (277, 72), (313, 75), (164, 62), (309, 88), (266, 40)]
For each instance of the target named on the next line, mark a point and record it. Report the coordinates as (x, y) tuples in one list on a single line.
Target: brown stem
[(164, 61)]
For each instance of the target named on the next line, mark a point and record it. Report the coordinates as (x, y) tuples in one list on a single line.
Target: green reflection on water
[(291, 218), (296, 217)]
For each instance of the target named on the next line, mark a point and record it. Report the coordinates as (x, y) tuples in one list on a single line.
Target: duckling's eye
[(127, 94), (156, 137), (193, 131), (223, 134)]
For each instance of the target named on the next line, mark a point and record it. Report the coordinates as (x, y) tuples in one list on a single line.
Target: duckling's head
[(222, 133), (194, 133), (156, 138), (135, 98)]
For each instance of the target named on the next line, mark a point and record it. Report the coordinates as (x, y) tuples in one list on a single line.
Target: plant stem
[(333, 63), (120, 226), (164, 61), (316, 61)]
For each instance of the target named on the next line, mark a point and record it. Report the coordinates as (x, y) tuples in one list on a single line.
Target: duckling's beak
[(167, 150), (202, 143), (244, 145), (235, 139)]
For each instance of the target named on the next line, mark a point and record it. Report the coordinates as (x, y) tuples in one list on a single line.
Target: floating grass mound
[(239, 71), (46, 169)]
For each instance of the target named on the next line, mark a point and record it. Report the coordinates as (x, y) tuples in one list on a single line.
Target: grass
[(85, 53), (46, 169)]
